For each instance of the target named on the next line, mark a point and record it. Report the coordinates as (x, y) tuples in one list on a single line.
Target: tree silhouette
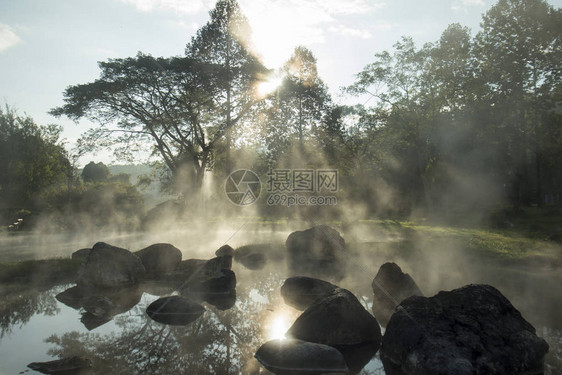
[(225, 41)]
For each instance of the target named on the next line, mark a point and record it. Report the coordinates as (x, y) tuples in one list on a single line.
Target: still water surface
[(36, 327)]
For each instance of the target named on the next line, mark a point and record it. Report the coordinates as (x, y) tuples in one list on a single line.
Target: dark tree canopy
[(466, 110), (225, 41), (180, 106), (95, 172), (32, 159)]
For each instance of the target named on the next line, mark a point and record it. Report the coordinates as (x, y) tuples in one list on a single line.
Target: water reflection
[(279, 321), (19, 305), (219, 342), (222, 341)]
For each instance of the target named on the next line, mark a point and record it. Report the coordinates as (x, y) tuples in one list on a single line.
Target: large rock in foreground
[(318, 252), (390, 287), (338, 319), (160, 257), (109, 266), (301, 291), (472, 330), (300, 357)]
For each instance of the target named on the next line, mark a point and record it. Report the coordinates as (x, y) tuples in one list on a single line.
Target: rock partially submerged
[(300, 357), (470, 330), (222, 301), (160, 257), (357, 356), (222, 282), (225, 250), (338, 319), (174, 310), (72, 365), (219, 290), (81, 254), (254, 256), (109, 266), (301, 291), (318, 252), (390, 287)]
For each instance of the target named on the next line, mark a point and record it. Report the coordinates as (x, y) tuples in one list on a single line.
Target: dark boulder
[(160, 257), (224, 250), (358, 356), (207, 268), (81, 254), (219, 291), (110, 266), (338, 319), (300, 357), (390, 287), (222, 282), (253, 257), (191, 272), (174, 310), (470, 330), (72, 365), (318, 252), (301, 291), (223, 301)]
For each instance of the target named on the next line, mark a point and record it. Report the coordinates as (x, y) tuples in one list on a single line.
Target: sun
[(269, 85), (279, 322), (277, 326), (278, 27)]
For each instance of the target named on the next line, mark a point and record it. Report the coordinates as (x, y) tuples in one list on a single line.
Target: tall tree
[(161, 102), (520, 52), (225, 42), (299, 109), (403, 114)]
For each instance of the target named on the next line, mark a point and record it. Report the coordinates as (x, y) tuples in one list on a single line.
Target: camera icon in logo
[(242, 187)]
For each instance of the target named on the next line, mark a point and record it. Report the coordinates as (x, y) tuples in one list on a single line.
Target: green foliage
[(95, 172), (181, 106), (32, 159), (113, 204), (295, 111), (466, 122), (224, 42)]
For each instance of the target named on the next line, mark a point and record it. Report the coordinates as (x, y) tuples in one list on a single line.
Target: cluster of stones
[(472, 330), (111, 280), (334, 333), (326, 338)]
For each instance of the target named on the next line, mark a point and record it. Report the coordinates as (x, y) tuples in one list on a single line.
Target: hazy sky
[(47, 45)]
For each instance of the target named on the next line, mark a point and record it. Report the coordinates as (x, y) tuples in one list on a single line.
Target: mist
[(442, 157)]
